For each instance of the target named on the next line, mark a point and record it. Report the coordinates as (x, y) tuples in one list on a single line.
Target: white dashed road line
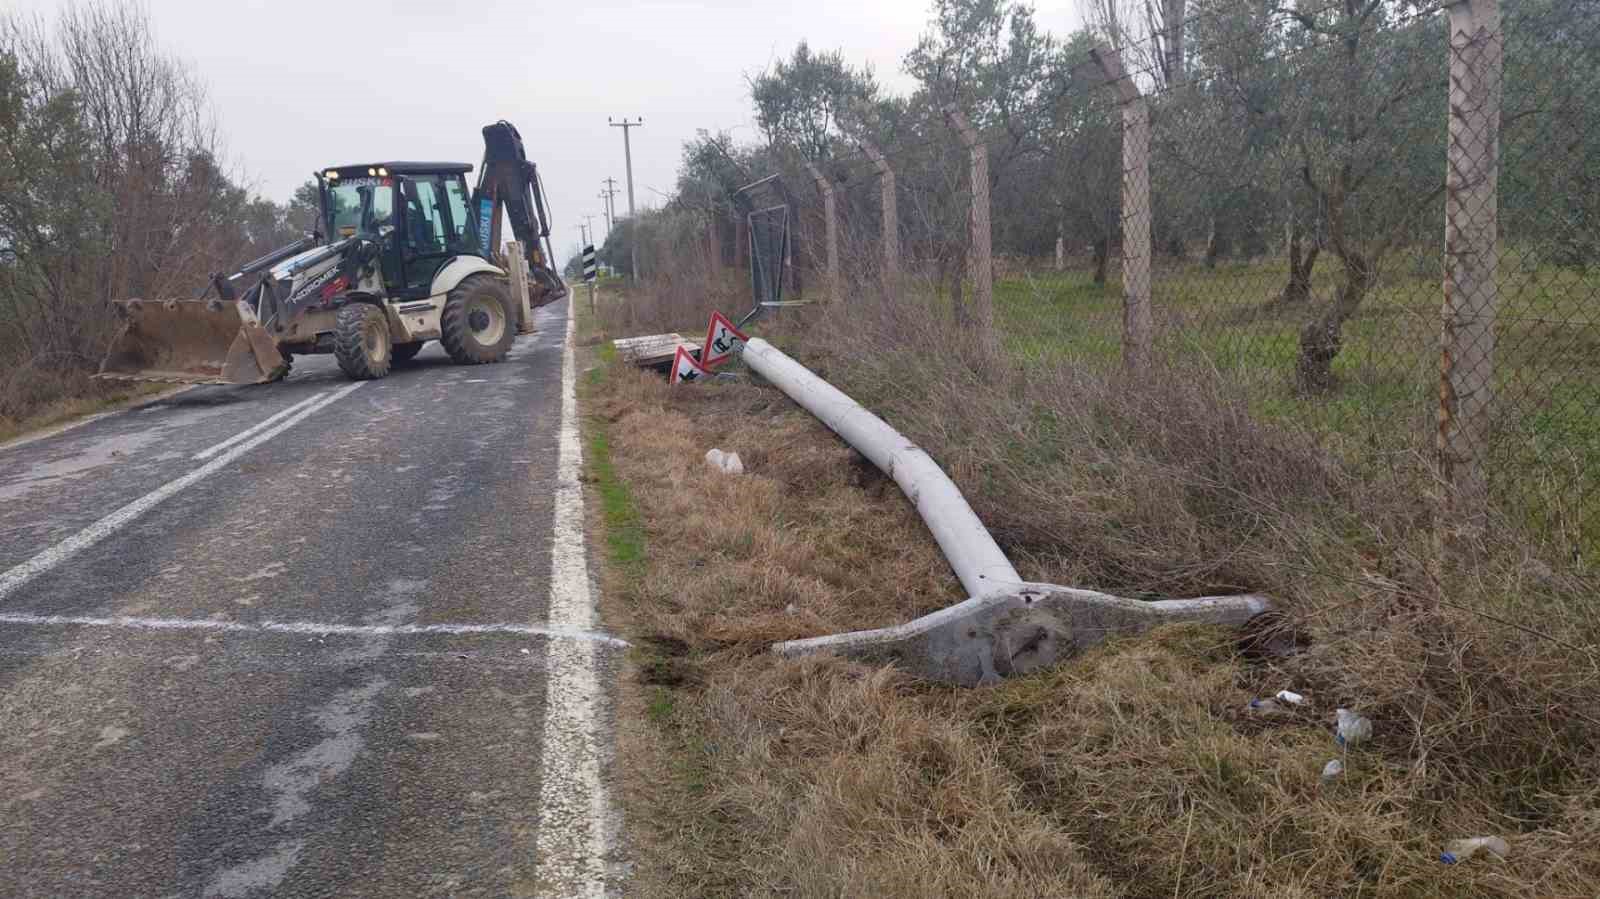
[(575, 821), (14, 578)]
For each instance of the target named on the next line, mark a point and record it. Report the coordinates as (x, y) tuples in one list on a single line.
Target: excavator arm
[(508, 181)]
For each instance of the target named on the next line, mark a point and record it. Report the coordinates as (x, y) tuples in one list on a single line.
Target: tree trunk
[(1323, 337), (1213, 244), (1301, 261), (958, 283), (1102, 252)]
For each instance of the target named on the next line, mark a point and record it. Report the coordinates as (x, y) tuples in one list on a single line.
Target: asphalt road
[(308, 639)]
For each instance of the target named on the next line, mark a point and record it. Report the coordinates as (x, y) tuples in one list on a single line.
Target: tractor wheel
[(361, 342), (476, 326), (405, 352)]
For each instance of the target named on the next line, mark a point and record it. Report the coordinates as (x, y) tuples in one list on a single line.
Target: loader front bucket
[(191, 342)]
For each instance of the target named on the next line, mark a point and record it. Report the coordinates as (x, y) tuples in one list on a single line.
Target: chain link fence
[(1378, 221)]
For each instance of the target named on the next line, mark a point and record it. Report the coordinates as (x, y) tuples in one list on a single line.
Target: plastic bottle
[(1352, 728), (1461, 850), (1332, 770), (1290, 697)]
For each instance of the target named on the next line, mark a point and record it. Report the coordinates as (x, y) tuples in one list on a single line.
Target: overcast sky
[(298, 84)]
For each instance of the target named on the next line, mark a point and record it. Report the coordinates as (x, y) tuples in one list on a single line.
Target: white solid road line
[(257, 428), (13, 579), (311, 628), (574, 812)]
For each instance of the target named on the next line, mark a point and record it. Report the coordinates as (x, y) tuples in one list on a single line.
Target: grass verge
[(68, 409), (1136, 769)]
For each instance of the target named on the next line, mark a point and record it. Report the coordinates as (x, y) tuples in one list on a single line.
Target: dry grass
[(675, 301), (31, 400), (1133, 770)]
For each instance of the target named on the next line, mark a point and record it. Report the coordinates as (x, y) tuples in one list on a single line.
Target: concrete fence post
[(830, 231), (1471, 292), (1137, 326), (891, 218), (980, 238)]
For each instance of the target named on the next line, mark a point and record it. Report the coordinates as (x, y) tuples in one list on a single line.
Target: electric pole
[(610, 195), (583, 231), (627, 153)]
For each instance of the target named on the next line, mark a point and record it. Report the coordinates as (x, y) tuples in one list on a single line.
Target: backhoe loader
[(401, 256)]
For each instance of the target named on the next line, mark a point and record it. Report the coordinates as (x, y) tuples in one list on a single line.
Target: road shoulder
[(76, 413)]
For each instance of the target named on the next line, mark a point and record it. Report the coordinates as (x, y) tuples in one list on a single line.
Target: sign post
[(590, 274)]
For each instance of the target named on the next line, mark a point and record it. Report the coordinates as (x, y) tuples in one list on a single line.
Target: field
[(1547, 431)]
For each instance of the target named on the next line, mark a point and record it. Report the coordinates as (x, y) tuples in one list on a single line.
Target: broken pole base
[(1018, 630)]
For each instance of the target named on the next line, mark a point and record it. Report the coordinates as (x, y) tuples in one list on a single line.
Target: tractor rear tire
[(405, 352), (361, 342), (477, 326)]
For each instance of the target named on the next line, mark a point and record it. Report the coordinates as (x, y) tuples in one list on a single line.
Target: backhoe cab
[(402, 256)]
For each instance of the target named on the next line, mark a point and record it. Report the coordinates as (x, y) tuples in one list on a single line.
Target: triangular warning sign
[(684, 368), (722, 341)]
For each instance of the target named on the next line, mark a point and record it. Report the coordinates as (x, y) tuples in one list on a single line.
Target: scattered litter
[(1461, 850), (525, 650), (1352, 728), (728, 462), (792, 609), (1332, 770), (1279, 704), (1267, 707)]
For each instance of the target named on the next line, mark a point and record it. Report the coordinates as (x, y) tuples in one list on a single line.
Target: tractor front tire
[(361, 342), (476, 326), (405, 352)]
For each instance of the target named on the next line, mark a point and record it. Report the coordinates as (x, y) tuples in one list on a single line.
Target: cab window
[(465, 241), (437, 225), (359, 206)]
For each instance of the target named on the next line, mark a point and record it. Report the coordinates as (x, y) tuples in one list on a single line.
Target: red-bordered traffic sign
[(684, 368), (722, 338)]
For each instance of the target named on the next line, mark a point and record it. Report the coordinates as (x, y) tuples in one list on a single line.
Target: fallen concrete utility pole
[(974, 555), (1008, 626)]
